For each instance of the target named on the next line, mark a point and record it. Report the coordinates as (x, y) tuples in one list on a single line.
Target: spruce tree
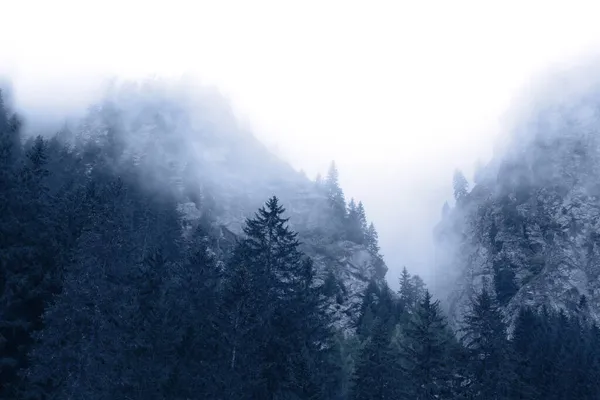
[(485, 337), (29, 263), (419, 287), (424, 358), (279, 326), (353, 223), (368, 309), (524, 339), (110, 331), (377, 374), (406, 292), (372, 239), (335, 194), (460, 185), (362, 217)]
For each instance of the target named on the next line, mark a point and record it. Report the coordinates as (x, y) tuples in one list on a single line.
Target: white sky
[(399, 93)]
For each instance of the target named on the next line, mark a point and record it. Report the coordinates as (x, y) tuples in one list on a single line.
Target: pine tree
[(419, 286), (368, 309), (372, 239), (354, 223), (335, 195), (461, 186), (485, 338), (113, 316), (362, 217), (279, 323), (29, 267), (377, 374), (202, 363), (424, 346), (406, 291)]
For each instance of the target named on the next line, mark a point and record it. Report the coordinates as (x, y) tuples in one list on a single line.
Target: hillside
[(189, 136), (529, 226), (156, 250), (158, 200)]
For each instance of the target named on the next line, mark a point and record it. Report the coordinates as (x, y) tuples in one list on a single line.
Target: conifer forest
[(136, 266)]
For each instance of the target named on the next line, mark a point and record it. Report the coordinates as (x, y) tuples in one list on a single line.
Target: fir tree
[(354, 223), (372, 239), (362, 218), (419, 287), (335, 195), (424, 352), (406, 291), (368, 310), (377, 373), (275, 301), (485, 338), (461, 186)]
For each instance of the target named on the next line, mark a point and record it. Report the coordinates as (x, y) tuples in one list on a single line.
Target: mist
[(398, 95)]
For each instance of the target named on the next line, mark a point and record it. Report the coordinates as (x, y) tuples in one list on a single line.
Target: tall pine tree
[(485, 337), (279, 327), (335, 194), (424, 358)]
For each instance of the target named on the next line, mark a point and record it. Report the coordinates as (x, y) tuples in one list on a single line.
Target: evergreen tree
[(354, 223), (113, 315), (368, 309), (29, 262), (362, 218), (377, 373), (335, 195), (344, 357), (407, 294), (419, 287), (372, 239), (485, 338), (461, 186), (525, 337), (201, 362), (279, 321), (424, 355)]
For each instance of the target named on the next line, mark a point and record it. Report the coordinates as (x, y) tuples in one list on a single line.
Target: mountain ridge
[(529, 225), (223, 173)]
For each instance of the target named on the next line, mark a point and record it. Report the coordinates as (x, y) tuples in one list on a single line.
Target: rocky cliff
[(530, 226), (190, 142)]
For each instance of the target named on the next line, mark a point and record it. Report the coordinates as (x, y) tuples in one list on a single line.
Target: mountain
[(190, 141), (530, 226)]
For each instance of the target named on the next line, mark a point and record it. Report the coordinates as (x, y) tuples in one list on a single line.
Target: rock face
[(530, 227), (223, 174)]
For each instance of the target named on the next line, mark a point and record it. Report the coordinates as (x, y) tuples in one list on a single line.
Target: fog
[(399, 94)]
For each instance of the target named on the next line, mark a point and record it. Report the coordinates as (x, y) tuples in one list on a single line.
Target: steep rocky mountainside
[(189, 140), (530, 226)]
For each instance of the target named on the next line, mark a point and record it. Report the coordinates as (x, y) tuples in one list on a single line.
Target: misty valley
[(154, 248)]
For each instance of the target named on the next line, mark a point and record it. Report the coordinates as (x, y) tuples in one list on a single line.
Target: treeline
[(407, 351), (349, 217), (106, 295)]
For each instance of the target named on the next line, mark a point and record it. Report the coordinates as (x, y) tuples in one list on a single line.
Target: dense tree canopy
[(107, 292)]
